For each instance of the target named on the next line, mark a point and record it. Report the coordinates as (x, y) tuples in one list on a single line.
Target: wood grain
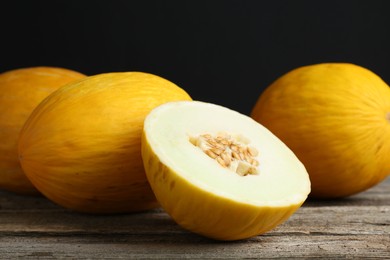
[(357, 227)]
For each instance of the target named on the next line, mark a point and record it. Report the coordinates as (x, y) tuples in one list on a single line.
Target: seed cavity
[(232, 152)]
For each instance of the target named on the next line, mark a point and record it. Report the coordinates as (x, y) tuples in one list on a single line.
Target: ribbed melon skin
[(82, 146), (21, 90), (205, 213), (336, 118)]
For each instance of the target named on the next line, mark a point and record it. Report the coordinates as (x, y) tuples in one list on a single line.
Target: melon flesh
[(205, 197)]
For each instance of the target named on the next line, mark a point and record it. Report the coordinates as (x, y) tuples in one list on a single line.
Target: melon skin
[(335, 117), (212, 216), (81, 146), (21, 90), (209, 212)]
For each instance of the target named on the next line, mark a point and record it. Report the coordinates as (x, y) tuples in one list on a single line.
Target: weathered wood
[(355, 227)]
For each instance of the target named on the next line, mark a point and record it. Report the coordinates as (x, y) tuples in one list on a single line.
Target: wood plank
[(355, 227), (169, 247), (315, 220), (378, 195)]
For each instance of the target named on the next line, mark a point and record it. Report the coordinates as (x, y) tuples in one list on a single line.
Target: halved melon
[(219, 173)]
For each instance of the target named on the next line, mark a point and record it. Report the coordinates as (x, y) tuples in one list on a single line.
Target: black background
[(225, 52)]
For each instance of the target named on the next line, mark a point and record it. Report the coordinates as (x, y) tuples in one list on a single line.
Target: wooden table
[(355, 227)]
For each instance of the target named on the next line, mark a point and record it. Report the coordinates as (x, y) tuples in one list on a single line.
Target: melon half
[(219, 173)]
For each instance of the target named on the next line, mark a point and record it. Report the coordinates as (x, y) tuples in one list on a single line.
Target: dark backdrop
[(225, 52)]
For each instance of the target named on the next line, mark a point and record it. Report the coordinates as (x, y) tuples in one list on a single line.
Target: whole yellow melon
[(336, 119), (81, 147), (21, 90)]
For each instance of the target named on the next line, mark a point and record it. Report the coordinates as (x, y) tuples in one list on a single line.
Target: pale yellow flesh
[(206, 198)]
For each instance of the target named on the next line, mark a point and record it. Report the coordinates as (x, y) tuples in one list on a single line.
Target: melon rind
[(204, 197)]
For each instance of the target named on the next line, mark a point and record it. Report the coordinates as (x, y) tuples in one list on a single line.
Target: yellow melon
[(81, 146), (21, 90), (336, 119), (219, 173)]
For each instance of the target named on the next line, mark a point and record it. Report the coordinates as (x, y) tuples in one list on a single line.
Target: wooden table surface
[(357, 227)]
